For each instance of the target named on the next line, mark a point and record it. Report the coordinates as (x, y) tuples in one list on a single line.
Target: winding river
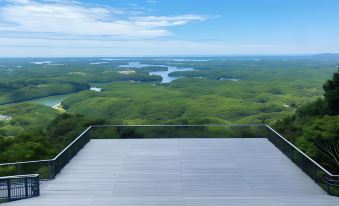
[(166, 78), (55, 100)]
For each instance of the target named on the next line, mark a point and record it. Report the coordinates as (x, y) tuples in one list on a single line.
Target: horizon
[(163, 28), (183, 56)]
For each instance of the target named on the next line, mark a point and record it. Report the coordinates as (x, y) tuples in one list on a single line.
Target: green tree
[(331, 88), (324, 133)]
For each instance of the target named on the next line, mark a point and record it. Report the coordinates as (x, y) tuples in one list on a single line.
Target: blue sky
[(168, 27)]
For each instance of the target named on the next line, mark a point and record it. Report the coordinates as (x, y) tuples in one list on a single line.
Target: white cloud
[(70, 28), (152, 1), (72, 18), (165, 21)]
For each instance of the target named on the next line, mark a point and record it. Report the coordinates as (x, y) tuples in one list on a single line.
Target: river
[(166, 78), (55, 100)]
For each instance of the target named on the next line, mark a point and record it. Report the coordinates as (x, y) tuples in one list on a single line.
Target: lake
[(51, 101), (166, 78)]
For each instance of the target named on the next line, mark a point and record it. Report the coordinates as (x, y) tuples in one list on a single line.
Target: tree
[(331, 88), (324, 133)]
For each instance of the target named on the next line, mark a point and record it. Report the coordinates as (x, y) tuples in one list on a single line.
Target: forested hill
[(217, 91), (314, 127)]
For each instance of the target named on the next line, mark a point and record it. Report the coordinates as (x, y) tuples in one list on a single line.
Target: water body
[(166, 78), (98, 63), (138, 65), (55, 100), (51, 101), (228, 79), (96, 89)]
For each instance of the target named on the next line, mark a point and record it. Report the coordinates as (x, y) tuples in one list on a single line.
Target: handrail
[(72, 143), (198, 125), (26, 162), (62, 158), (180, 125), (305, 155), (331, 182), (48, 160), (102, 126), (19, 176)]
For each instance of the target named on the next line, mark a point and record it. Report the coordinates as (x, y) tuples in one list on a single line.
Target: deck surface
[(177, 172)]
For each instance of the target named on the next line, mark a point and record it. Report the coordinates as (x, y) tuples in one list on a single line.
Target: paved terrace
[(176, 172)]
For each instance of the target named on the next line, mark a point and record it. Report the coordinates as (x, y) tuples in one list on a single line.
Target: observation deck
[(176, 165)]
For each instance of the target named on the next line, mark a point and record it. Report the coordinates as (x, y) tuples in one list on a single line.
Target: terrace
[(173, 165)]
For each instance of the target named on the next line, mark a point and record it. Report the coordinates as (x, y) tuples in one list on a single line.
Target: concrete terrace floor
[(176, 172)]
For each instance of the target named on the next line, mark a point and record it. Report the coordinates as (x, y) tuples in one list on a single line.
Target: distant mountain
[(327, 56)]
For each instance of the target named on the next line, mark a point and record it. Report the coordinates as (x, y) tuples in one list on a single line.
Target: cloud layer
[(72, 18), (72, 28)]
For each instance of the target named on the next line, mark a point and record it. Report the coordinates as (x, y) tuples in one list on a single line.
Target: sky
[(65, 28)]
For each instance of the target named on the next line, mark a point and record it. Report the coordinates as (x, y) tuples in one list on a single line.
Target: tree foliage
[(331, 88), (44, 143), (315, 126)]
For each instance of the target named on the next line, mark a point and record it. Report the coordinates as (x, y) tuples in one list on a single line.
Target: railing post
[(37, 180), (328, 186), (315, 172), (9, 190), (51, 169), (302, 163), (26, 187)]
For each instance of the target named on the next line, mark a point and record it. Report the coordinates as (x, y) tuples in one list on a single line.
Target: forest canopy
[(285, 92)]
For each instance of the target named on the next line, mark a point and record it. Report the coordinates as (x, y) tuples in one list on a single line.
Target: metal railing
[(48, 169), (19, 187), (328, 181)]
